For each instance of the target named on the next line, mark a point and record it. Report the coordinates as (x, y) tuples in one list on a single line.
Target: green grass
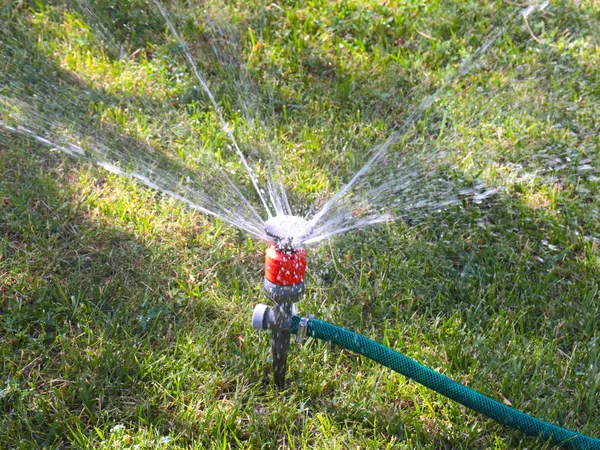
[(125, 316)]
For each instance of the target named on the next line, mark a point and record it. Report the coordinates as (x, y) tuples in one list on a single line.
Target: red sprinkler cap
[(285, 268)]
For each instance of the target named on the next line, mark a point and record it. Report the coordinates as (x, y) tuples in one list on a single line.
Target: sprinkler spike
[(280, 345)]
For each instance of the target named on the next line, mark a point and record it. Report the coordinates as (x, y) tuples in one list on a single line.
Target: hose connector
[(301, 330)]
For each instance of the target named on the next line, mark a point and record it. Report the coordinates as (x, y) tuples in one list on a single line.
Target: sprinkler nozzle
[(287, 232)]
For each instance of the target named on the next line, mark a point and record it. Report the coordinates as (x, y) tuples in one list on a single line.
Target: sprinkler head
[(287, 232), (285, 262)]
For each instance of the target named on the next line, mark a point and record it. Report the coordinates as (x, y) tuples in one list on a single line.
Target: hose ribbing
[(447, 387)]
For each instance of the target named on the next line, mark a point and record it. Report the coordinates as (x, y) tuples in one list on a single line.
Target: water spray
[(285, 266)]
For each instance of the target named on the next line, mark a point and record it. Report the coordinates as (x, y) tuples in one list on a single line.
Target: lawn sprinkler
[(285, 266)]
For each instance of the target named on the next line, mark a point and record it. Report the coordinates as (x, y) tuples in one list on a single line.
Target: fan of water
[(186, 114)]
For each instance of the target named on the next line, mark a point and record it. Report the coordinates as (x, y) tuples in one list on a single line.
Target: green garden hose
[(447, 387)]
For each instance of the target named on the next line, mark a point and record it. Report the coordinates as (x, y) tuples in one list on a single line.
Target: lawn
[(125, 313)]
